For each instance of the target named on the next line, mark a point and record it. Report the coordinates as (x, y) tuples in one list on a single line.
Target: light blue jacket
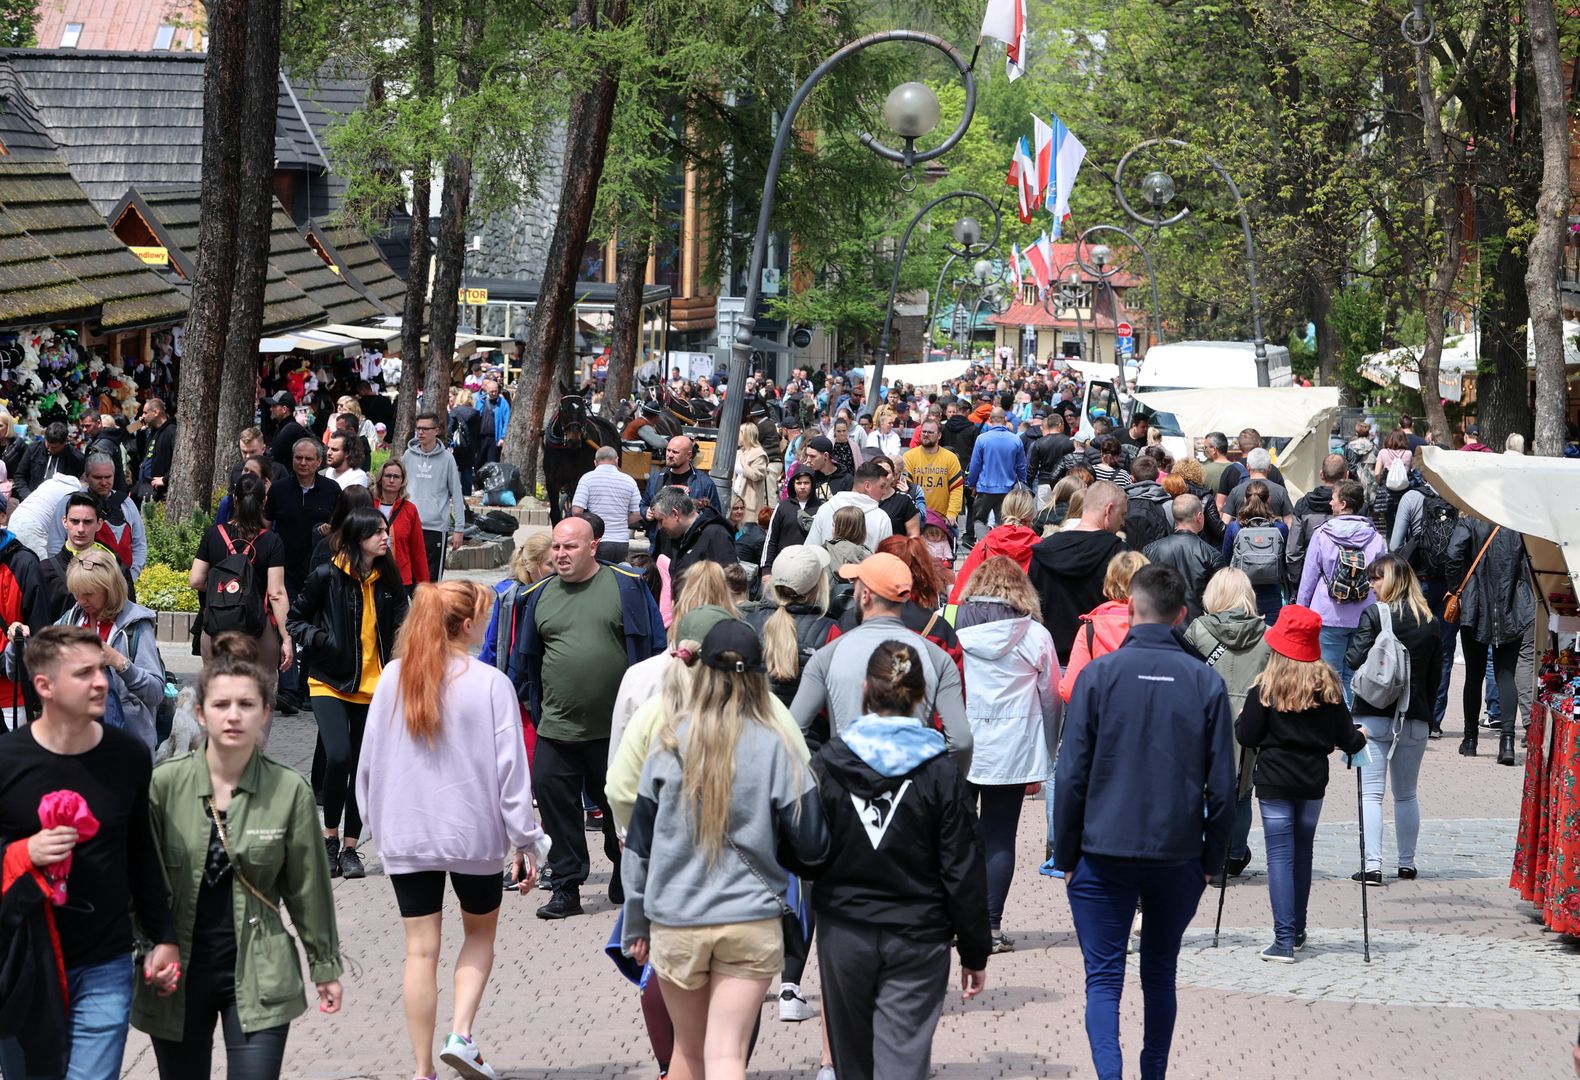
[(998, 461)]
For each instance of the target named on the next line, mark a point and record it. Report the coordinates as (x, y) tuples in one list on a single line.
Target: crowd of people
[(810, 709)]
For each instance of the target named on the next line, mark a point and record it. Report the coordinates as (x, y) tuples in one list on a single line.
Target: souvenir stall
[(48, 374), (1539, 497)]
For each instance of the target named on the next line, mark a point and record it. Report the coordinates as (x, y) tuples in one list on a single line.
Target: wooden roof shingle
[(362, 264)]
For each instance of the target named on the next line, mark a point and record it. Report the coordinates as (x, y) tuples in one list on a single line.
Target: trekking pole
[(1360, 810), (1223, 882)]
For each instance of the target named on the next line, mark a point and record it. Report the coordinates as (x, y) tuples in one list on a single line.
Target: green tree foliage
[(18, 24)]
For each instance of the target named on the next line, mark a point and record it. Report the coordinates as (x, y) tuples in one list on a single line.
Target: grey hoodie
[(433, 484), (1244, 654)]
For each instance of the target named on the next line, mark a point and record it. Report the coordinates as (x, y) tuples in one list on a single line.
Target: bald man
[(679, 471), (575, 634)]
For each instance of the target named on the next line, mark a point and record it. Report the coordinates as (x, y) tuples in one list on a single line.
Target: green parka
[(1234, 641)]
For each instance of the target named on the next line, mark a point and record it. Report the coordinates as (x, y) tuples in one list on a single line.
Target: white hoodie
[(1012, 700), (878, 524)]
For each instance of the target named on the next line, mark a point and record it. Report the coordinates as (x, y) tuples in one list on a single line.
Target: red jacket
[(406, 543), (24, 598), (1015, 541)]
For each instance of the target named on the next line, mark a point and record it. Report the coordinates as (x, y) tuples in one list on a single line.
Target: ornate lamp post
[(1158, 187), (911, 111)]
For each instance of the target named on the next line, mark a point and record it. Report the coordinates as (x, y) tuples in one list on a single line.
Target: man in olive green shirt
[(577, 632)]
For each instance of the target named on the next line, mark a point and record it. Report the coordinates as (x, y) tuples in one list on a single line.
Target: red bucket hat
[(1296, 634)]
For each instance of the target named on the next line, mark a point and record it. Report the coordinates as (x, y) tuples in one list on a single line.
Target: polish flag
[(1030, 197), (1040, 255), (1068, 153), (1042, 139), (1014, 269), (1005, 20)]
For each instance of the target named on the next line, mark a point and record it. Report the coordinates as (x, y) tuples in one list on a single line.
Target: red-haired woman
[(438, 712)]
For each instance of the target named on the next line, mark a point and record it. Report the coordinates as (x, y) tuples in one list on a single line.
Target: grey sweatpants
[(883, 994)]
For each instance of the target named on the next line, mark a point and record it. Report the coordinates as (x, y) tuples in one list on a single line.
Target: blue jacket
[(698, 483), (1148, 744), (644, 632), (998, 461), (501, 410)]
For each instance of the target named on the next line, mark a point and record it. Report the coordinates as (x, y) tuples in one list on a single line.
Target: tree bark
[(586, 141), (197, 396), (1546, 247), (1439, 191), (450, 251), (238, 393), (411, 323), (630, 275)]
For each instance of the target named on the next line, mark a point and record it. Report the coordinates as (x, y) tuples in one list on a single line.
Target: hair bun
[(234, 643), (902, 667)]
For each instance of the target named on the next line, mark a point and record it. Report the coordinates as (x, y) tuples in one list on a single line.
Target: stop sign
[(1124, 329)]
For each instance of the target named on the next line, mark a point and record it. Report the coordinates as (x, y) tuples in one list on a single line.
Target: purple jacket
[(1348, 531)]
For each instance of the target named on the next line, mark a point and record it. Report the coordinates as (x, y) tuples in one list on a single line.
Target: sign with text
[(152, 256), (1124, 329), (473, 296)]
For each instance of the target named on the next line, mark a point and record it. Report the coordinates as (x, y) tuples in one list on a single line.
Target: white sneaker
[(793, 1005), (462, 1055), (826, 1073)]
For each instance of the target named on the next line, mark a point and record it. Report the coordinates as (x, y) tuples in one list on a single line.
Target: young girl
[(1294, 716), (238, 835), (905, 875), (724, 798), (440, 715)]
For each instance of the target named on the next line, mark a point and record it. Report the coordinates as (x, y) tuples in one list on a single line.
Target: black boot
[(1506, 748), (1467, 745)]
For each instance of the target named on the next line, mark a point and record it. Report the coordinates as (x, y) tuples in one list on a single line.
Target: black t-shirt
[(901, 508), (268, 550), (214, 928), (288, 435), (113, 873)]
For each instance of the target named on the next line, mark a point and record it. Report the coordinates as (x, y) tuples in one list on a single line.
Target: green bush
[(175, 544), (379, 458), (165, 589)]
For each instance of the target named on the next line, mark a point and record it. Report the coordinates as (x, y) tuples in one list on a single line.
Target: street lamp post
[(968, 233), (1158, 187), (1067, 297), (911, 111), (1146, 257)]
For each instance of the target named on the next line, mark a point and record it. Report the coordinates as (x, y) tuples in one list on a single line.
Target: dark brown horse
[(570, 439)]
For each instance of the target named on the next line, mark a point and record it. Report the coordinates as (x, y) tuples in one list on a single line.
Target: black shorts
[(421, 894)]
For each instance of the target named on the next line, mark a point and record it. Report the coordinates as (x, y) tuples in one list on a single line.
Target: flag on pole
[(1042, 140), (1013, 179), (1068, 153), (1014, 269), (1005, 20), (1029, 197), (1040, 256)]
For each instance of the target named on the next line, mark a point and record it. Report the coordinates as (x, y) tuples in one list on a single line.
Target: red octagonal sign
[(1124, 329)]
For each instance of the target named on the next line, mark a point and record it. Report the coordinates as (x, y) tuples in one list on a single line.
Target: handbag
[(1451, 603)]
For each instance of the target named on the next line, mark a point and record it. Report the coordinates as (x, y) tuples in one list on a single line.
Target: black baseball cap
[(736, 637)]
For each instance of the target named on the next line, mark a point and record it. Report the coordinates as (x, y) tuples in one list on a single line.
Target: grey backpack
[(1384, 677), (1259, 551)]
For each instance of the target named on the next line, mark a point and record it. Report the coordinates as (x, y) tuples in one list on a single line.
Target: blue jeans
[(1436, 595), (1335, 641), (1103, 895), (101, 1006), (1289, 827), (1494, 701), (1403, 769)]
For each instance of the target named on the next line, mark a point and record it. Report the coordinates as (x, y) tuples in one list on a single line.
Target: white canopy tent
[(1301, 414), (1458, 360), (922, 375)]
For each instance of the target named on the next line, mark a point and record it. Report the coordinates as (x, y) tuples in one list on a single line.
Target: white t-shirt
[(348, 477)]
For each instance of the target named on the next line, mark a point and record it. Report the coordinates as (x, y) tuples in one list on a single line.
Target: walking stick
[(1360, 811), (1223, 881)]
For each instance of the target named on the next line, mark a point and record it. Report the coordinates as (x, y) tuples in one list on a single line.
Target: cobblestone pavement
[(1463, 982)]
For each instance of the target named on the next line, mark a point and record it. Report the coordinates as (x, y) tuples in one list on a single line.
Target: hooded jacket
[(1497, 604), (879, 527), (1147, 747), (905, 850), (1012, 698), (998, 461), (1235, 646), (433, 484), (709, 538), (1067, 571), (1012, 541), (141, 690), (1349, 531), (959, 434), (1194, 558), (1101, 631)]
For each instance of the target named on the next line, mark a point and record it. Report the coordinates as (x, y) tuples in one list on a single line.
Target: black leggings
[(797, 945), (211, 995), (341, 724), (1505, 659), (1000, 807)]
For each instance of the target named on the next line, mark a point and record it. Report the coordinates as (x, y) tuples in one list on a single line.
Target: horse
[(570, 439)]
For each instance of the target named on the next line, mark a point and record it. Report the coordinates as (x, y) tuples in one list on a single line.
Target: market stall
[(1539, 497)]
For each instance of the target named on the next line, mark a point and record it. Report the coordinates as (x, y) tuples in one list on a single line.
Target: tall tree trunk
[(586, 141), (238, 392), (411, 324), (1319, 305), (630, 275), (224, 93), (1546, 248), (1439, 192), (450, 251)]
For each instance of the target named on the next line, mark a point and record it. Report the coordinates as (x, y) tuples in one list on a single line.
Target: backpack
[(233, 600), (1398, 476), (1384, 676), (1259, 551), (1428, 553), (165, 714), (1349, 582), (1145, 522)]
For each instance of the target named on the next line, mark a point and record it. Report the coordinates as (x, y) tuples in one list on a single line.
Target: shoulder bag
[(1451, 604)]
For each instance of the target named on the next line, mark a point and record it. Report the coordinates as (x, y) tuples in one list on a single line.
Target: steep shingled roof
[(23, 133), (59, 262), (361, 263)]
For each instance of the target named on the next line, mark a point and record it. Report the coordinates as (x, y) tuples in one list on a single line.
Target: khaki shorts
[(687, 955)]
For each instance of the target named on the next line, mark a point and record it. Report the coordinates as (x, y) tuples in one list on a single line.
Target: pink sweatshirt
[(464, 803)]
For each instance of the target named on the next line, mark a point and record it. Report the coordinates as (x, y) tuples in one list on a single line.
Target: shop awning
[(932, 374), (378, 334), (316, 342)]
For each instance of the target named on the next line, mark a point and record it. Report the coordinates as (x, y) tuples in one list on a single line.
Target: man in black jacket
[(161, 447), (51, 455), (300, 509), (692, 532), (1045, 461), (1067, 568), (282, 413), (99, 438), (1195, 560)]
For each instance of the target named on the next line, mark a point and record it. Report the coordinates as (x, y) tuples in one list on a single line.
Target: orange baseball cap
[(883, 573)]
